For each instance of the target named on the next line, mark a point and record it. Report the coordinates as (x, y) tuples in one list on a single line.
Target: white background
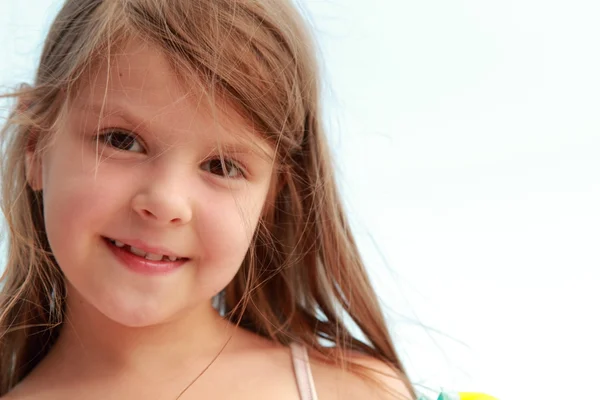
[(467, 137)]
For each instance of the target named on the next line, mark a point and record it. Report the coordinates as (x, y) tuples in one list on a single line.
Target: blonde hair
[(303, 279)]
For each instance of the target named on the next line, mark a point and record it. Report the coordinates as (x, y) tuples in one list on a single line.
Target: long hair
[(302, 279)]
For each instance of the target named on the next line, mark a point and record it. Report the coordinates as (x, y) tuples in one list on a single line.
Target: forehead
[(138, 83)]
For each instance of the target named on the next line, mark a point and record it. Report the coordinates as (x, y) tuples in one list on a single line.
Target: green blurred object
[(461, 396), (465, 396)]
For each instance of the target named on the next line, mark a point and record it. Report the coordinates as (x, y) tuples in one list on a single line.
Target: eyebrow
[(243, 146)]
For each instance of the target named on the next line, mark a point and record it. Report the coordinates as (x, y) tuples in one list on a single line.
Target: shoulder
[(376, 381), (388, 378)]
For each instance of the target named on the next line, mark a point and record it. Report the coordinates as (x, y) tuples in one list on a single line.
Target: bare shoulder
[(378, 382)]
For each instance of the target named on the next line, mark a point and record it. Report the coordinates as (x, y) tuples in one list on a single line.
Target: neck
[(91, 344)]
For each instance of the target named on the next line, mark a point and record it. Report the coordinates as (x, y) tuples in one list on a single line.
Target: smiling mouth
[(143, 254)]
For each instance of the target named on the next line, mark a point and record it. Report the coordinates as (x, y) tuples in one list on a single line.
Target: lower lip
[(140, 264)]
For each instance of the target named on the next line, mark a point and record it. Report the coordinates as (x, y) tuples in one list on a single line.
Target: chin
[(135, 317), (140, 313), (138, 318), (124, 308)]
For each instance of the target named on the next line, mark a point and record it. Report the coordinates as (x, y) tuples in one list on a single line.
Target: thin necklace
[(204, 370)]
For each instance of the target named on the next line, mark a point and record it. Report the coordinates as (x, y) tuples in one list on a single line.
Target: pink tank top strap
[(304, 378)]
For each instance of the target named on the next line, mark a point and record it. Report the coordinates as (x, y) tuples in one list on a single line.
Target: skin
[(130, 335)]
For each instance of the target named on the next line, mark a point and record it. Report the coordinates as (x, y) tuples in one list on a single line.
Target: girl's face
[(131, 186)]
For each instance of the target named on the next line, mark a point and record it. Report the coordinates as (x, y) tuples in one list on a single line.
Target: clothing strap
[(304, 378)]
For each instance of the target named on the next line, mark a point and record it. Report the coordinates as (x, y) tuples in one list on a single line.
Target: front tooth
[(172, 258), (137, 252), (118, 244), (154, 257)]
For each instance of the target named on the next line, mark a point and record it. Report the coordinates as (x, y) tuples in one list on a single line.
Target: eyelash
[(105, 137)]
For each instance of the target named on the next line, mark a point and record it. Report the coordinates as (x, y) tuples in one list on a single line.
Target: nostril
[(147, 213), (161, 211)]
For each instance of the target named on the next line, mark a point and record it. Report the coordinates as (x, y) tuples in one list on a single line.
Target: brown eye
[(121, 141), (224, 168)]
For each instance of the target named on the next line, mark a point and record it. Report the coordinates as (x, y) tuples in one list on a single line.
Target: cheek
[(227, 225), (78, 203), (225, 231)]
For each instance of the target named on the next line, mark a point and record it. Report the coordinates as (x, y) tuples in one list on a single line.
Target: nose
[(163, 200)]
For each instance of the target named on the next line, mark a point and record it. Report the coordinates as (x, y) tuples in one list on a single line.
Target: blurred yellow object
[(463, 396), (475, 396)]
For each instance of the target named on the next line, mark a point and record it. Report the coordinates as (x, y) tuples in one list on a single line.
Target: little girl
[(174, 228)]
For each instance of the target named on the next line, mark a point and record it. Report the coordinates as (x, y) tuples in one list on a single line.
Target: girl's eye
[(121, 141), (224, 168)]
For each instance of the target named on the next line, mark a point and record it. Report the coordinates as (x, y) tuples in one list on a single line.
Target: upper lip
[(139, 244)]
